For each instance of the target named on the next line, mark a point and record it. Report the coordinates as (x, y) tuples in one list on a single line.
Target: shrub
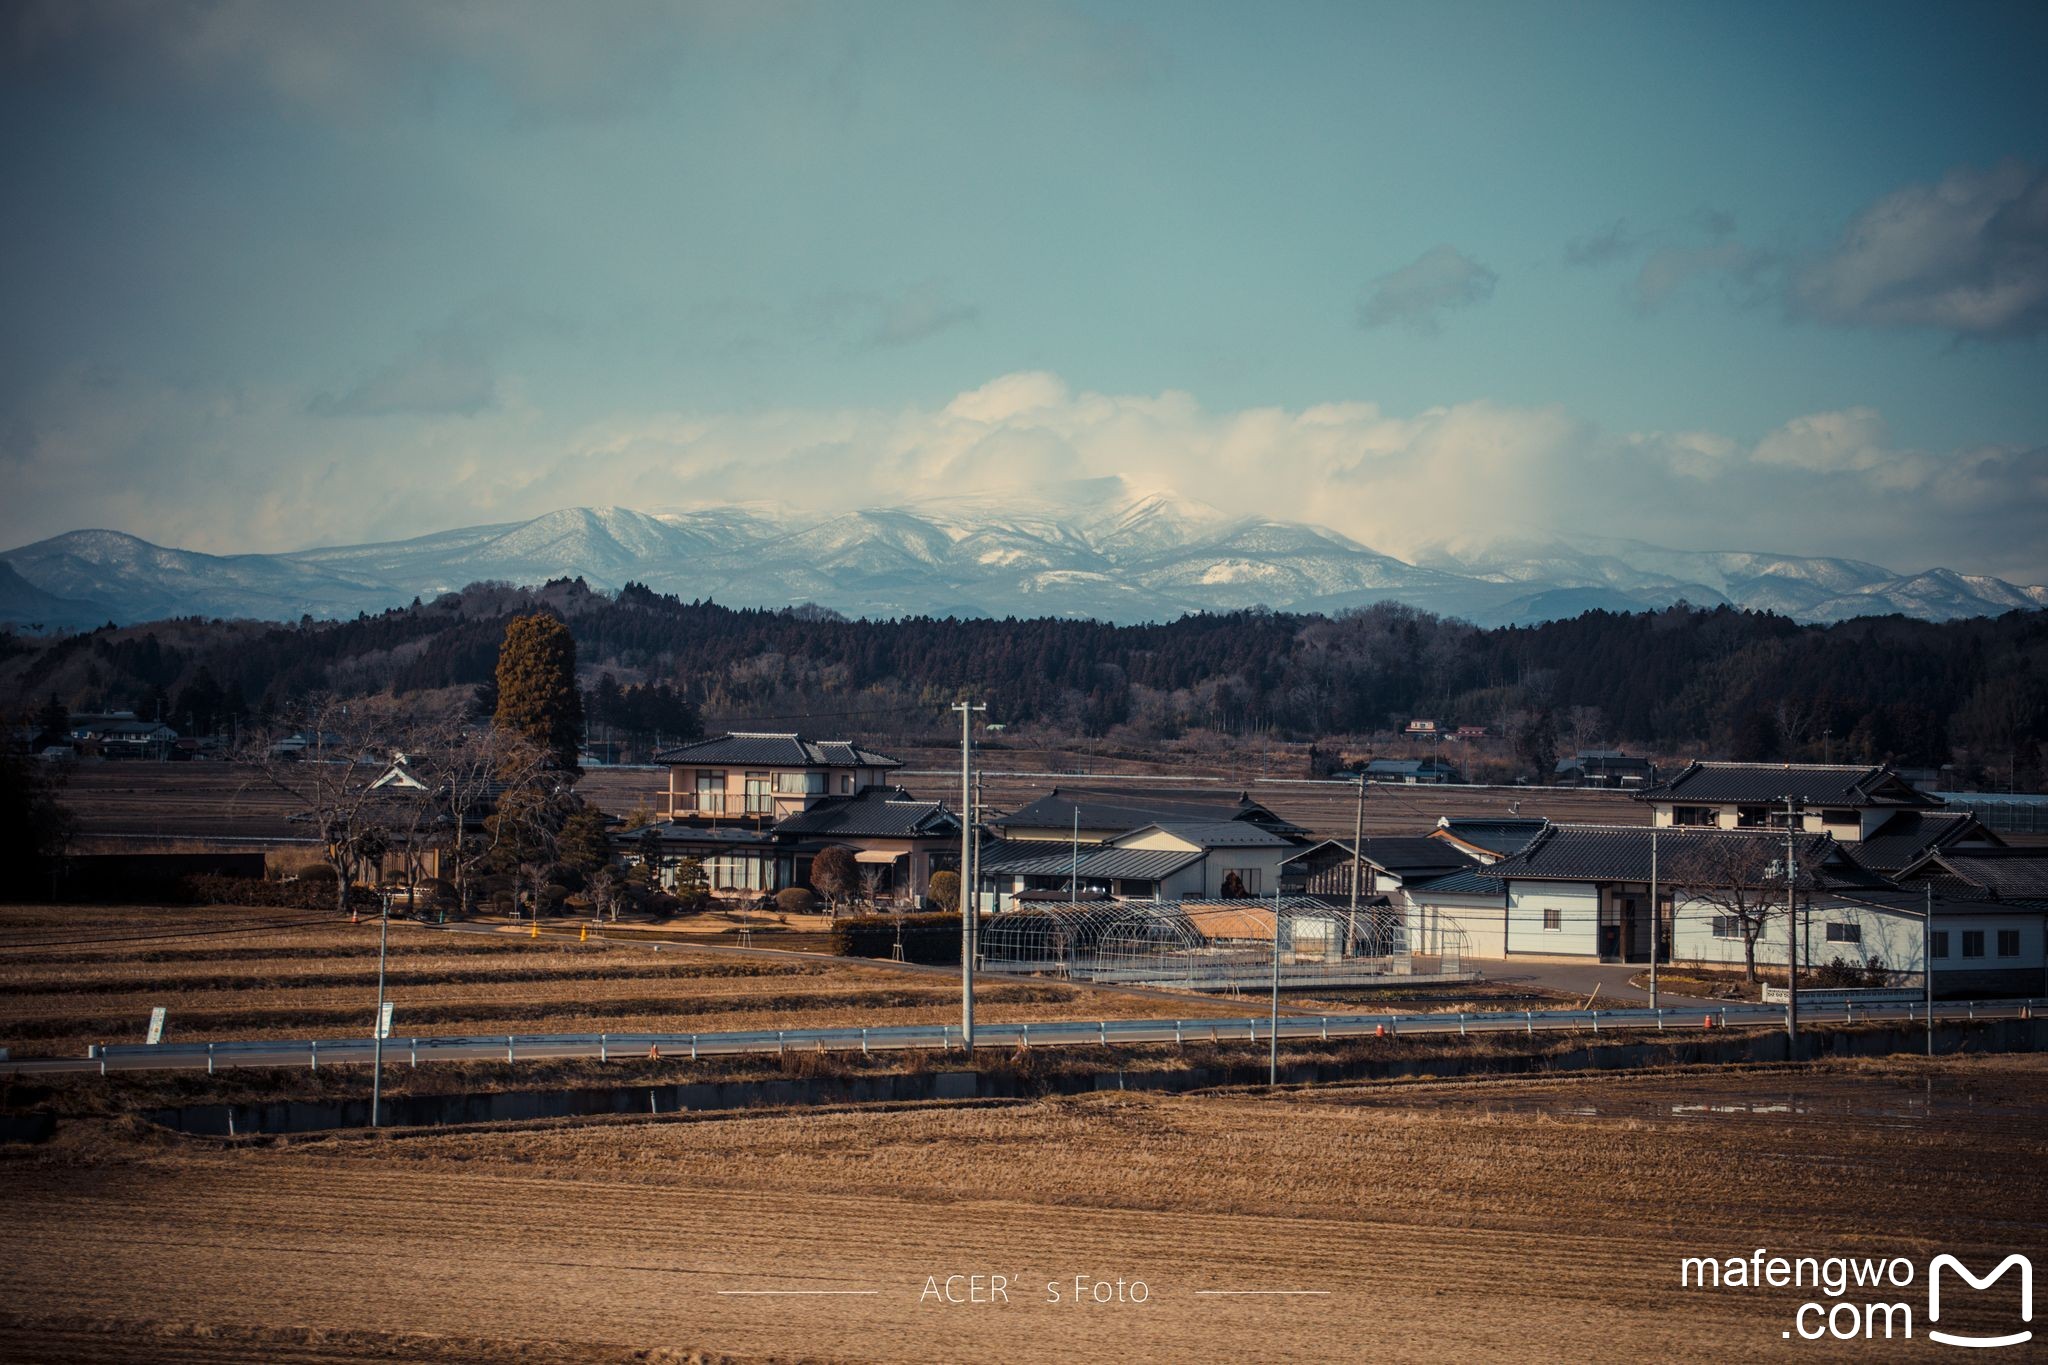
[(320, 873), (944, 891), (796, 900), (931, 939), (1837, 974)]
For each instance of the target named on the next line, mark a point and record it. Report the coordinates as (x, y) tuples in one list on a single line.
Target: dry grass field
[(1534, 1220), (73, 975)]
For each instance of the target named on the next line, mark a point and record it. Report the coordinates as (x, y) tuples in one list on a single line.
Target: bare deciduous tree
[(477, 766), (326, 767), (1742, 876)]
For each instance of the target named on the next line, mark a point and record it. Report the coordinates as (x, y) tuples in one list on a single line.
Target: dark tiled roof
[(874, 812), (1043, 858), (2004, 874), (1502, 836), (1219, 833), (1137, 864), (743, 747), (1814, 784), (1621, 853), (1407, 857), (1470, 881), (1910, 835), (1120, 811), (1952, 899)]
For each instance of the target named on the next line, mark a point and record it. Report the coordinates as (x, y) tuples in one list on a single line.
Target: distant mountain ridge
[(1095, 549)]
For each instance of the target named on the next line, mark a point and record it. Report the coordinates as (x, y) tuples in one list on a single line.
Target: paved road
[(532, 1047), (1581, 979)]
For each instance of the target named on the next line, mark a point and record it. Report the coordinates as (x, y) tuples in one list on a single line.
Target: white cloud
[(205, 470), (1966, 255), (1439, 279)]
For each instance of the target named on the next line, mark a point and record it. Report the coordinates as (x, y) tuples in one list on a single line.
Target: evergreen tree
[(536, 684)]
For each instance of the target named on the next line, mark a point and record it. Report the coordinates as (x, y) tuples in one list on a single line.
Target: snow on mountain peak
[(1097, 547)]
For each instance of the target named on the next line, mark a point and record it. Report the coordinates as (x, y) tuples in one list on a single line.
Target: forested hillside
[(1744, 684)]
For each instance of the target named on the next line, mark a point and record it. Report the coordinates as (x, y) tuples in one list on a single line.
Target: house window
[(759, 802), (846, 784), (800, 784), (1727, 926), (1698, 817), (2008, 943), (1937, 945), (1973, 943), (1845, 933), (1843, 819), (1248, 877), (711, 792), (1553, 918), (734, 872)]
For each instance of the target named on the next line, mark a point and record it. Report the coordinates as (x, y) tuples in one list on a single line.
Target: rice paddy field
[(75, 975), (1524, 1219)]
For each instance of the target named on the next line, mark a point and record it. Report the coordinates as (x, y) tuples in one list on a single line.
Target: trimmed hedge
[(931, 939)]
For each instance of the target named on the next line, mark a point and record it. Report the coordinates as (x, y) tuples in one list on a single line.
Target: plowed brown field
[(1522, 1219), (73, 975)]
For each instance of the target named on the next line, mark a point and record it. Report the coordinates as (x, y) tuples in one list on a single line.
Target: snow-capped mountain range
[(1097, 549)]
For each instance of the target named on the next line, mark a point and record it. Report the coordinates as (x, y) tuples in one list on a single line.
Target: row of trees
[(1732, 681)]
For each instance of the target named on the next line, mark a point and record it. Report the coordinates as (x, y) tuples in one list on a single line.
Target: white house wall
[(1578, 907), (1482, 921)]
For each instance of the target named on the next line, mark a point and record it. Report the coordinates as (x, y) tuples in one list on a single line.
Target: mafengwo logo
[(1947, 1262), (1878, 1313)]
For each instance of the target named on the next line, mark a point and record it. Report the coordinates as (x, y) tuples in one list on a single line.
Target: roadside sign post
[(156, 1026), (383, 1025)]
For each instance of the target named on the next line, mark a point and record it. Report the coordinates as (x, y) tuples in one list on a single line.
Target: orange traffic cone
[(1706, 1021), (355, 917), (1379, 1030)]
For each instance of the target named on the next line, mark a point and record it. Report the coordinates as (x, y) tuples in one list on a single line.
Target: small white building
[(1585, 892)]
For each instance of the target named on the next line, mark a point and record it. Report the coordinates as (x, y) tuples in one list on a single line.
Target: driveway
[(1580, 978)]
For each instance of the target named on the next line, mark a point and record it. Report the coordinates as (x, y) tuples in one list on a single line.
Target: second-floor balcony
[(727, 805)]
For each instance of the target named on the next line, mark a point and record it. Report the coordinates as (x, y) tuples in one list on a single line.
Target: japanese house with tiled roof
[(756, 807)]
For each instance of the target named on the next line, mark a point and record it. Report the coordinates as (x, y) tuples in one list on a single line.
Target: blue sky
[(1724, 276)]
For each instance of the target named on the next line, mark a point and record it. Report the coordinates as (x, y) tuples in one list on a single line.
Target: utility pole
[(1357, 848), (1927, 963), (377, 1024), (1791, 936), (967, 924), (1656, 917), (974, 847), (1273, 1042)]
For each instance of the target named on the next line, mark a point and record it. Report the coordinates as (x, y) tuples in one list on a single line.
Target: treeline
[(1740, 683)]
